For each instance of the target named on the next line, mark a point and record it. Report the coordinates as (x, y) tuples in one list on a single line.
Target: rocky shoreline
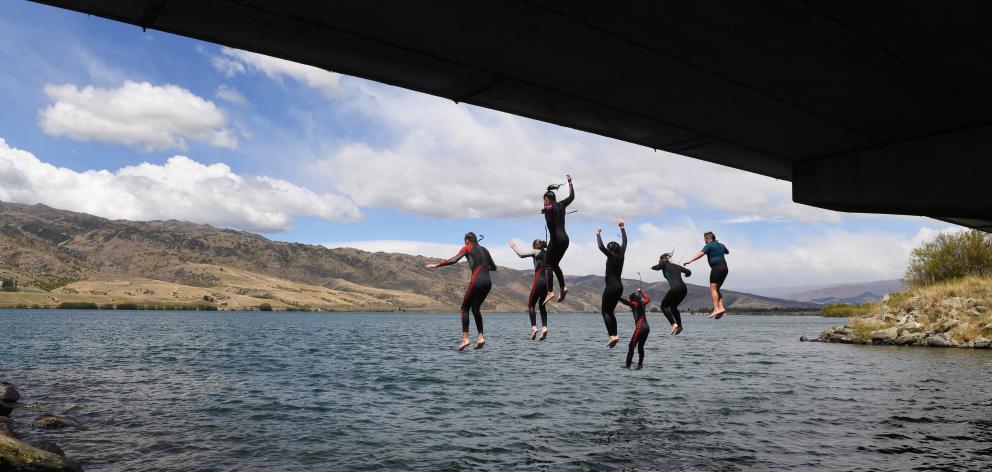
[(959, 322), (35, 456)]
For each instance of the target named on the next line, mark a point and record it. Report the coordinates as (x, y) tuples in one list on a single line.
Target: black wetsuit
[(554, 217), (641, 328), (676, 291), (540, 287), (480, 284), (614, 286)]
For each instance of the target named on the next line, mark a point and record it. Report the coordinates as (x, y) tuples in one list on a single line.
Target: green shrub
[(950, 256), (126, 306), (8, 285), (265, 307), (77, 306), (108, 306), (843, 310)]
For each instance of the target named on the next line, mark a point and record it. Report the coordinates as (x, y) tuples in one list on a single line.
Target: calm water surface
[(309, 391)]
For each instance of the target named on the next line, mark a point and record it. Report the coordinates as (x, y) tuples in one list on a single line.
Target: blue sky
[(101, 117)]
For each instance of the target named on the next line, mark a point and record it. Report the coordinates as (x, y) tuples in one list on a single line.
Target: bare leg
[(717, 303), (544, 333), (465, 343)]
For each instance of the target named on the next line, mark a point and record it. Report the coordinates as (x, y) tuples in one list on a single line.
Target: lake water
[(317, 391)]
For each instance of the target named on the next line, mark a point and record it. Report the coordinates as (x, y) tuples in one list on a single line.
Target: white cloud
[(136, 114), (231, 95), (181, 189), (448, 160), (237, 61)]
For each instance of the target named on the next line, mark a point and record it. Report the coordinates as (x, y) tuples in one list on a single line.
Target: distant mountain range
[(61, 256), (850, 293)]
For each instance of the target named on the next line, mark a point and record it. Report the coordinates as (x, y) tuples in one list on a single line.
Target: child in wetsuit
[(637, 303)]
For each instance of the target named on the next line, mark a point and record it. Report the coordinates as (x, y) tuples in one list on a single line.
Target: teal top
[(714, 252)]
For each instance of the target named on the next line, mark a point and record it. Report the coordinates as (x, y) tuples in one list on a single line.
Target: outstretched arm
[(523, 253), (571, 193), (626, 302), (685, 271), (694, 257), (464, 250)]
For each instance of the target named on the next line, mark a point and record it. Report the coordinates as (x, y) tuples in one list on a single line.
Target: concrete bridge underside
[(879, 107)]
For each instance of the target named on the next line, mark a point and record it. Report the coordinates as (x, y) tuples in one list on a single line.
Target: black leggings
[(537, 293), (477, 291), (556, 251), (611, 296), (637, 340), (670, 304)]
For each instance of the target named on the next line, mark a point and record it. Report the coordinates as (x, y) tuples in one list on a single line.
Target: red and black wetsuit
[(676, 292), (614, 285), (641, 329), (554, 217), (540, 287), (478, 287)]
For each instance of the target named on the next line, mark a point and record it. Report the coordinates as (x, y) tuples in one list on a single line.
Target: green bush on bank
[(77, 306), (843, 310), (950, 256)]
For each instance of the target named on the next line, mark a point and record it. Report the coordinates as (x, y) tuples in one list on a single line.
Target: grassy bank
[(950, 313), (843, 310)]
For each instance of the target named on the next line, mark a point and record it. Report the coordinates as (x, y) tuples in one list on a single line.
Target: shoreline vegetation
[(948, 304)]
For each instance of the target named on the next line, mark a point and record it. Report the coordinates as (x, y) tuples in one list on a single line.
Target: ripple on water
[(303, 391)]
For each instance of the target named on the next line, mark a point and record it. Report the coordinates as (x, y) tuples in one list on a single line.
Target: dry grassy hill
[(77, 257)]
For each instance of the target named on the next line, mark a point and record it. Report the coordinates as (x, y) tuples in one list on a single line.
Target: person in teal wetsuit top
[(715, 253)]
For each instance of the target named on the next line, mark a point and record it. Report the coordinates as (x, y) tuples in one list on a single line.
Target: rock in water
[(48, 446), (50, 421), (6, 408), (885, 336), (8, 393), (7, 428), (938, 341), (20, 457)]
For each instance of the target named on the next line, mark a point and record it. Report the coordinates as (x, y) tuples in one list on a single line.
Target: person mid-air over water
[(676, 290), (554, 216), (539, 289), (637, 302), (714, 252), (478, 286), (614, 286)]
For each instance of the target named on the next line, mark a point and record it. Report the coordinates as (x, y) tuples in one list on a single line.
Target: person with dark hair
[(614, 285), (539, 289), (637, 303), (554, 217), (478, 286), (676, 290), (714, 252)]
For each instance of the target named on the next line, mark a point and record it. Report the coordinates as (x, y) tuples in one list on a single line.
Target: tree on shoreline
[(950, 256)]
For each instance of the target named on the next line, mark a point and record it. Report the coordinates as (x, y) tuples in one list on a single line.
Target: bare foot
[(463, 345), (480, 343), (533, 332), (675, 329), (544, 334), (564, 291), (613, 342), (626, 366), (679, 330), (548, 298), (718, 314), (639, 367)]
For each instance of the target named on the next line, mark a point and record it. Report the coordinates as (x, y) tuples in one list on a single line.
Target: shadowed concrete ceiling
[(881, 107)]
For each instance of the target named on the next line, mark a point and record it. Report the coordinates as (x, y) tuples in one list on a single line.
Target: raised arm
[(623, 238), (571, 193), (599, 240), (645, 299)]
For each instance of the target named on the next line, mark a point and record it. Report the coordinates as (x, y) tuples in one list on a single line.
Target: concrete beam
[(942, 176)]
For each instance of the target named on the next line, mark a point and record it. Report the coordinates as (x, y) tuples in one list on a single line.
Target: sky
[(104, 118)]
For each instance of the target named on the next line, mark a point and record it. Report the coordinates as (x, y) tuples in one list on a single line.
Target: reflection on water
[(305, 391)]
